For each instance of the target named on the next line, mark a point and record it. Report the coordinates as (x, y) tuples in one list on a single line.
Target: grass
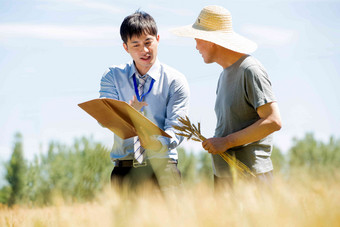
[(297, 201)]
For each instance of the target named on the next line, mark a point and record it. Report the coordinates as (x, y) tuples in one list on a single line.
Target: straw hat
[(214, 25)]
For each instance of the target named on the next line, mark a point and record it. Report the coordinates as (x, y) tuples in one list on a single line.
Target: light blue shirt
[(167, 101)]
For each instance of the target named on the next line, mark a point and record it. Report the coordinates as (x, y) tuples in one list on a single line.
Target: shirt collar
[(154, 71)]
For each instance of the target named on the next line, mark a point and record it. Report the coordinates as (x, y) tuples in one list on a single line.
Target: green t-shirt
[(241, 89)]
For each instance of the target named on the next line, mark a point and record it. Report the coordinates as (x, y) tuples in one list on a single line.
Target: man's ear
[(157, 38), (125, 47)]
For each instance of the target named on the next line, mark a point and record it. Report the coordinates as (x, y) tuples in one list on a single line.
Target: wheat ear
[(190, 131)]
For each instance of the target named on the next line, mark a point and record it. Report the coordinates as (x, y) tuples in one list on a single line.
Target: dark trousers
[(158, 172)]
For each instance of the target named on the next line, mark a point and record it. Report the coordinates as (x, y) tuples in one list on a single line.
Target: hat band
[(210, 25), (203, 28)]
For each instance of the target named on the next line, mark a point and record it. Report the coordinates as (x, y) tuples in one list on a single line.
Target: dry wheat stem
[(190, 131)]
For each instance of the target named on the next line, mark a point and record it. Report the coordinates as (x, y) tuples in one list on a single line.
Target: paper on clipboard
[(121, 118)]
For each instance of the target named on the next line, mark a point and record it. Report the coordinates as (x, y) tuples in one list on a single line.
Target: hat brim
[(229, 40)]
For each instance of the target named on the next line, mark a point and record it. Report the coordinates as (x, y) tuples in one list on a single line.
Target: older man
[(246, 108)]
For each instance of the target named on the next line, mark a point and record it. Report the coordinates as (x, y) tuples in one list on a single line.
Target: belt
[(132, 163)]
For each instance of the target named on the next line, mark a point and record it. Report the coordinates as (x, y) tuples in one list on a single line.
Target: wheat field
[(302, 201)]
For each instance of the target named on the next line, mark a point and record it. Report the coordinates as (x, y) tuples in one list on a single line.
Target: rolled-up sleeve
[(107, 86), (122, 147), (108, 89)]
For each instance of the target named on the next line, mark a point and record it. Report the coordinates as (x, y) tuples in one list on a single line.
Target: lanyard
[(140, 98)]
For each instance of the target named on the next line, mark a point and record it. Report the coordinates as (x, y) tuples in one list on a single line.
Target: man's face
[(143, 50), (206, 50)]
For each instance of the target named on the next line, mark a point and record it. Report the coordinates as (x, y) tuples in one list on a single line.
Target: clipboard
[(121, 118)]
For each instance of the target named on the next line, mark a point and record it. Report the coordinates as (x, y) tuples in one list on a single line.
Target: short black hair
[(137, 24)]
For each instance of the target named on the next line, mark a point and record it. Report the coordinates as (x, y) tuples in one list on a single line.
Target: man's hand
[(215, 145), (136, 104), (151, 143)]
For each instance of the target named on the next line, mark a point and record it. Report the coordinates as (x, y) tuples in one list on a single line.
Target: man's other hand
[(136, 104), (151, 143)]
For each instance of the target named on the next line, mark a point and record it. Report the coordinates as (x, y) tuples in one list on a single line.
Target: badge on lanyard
[(140, 98)]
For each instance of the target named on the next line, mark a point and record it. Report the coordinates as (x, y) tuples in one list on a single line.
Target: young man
[(160, 92), (246, 109)]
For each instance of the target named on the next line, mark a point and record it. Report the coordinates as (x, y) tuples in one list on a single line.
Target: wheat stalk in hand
[(190, 131)]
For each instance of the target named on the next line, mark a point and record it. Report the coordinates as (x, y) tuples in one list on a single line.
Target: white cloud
[(169, 38), (266, 35), (76, 35), (88, 4), (58, 32), (172, 11)]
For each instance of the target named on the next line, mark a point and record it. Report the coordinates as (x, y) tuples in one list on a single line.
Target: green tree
[(15, 171), (4, 194), (74, 172), (304, 152), (330, 153), (278, 159), (205, 170), (315, 156), (187, 166)]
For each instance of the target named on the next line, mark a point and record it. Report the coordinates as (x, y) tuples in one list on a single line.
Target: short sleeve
[(258, 88)]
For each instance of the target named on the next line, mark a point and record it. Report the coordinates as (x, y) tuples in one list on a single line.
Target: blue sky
[(54, 52)]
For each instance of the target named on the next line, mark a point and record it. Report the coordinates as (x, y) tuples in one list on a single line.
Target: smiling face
[(143, 50)]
